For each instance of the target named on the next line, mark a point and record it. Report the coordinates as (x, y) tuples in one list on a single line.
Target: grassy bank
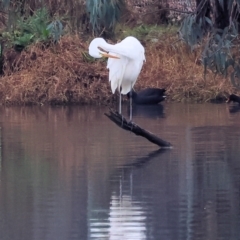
[(64, 73)]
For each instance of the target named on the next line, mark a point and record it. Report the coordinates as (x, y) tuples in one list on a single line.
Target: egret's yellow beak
[(109, 55), (106, 54)]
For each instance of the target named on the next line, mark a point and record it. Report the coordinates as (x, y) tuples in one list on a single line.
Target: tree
[(215, 26), (104, 14)]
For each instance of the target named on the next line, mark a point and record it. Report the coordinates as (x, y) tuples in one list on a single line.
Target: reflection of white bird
[(125, 60)]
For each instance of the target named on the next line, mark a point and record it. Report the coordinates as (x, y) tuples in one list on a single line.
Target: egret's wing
[(116, 71), (131, 74)]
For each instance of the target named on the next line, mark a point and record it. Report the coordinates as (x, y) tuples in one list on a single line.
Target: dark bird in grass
[(233, 98), (234, 108), (148, 96)]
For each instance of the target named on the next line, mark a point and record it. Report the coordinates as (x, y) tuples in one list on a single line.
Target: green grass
[(145, 32)]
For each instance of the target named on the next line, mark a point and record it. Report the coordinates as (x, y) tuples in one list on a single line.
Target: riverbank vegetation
[(45, 57)]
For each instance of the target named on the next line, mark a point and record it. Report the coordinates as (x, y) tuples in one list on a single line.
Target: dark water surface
[(70, 173)]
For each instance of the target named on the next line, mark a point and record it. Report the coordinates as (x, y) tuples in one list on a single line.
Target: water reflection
[(234, 108), (127, 217), (69, 173), (148, 111)]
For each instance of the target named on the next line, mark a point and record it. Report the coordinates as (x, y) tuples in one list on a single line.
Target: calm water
[(70, 173)]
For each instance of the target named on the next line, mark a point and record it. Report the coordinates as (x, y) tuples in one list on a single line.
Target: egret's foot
[(132, 123), (130, 120)]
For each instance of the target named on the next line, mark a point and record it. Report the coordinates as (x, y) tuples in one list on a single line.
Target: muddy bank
[(64, 73)]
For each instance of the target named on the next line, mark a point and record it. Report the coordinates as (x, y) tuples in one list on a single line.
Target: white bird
[(125, 61)]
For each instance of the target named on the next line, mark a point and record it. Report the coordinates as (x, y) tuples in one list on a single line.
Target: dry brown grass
[(60, 73), (179, 70), (64, 73)]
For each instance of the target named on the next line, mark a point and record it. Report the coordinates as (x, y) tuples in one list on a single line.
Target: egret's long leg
[(120, 103), (131, 103)]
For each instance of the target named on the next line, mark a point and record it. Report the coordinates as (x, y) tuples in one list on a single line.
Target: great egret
[(125, 61), (149, 96), (233, 98)]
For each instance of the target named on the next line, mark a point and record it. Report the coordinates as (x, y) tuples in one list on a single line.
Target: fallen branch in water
[(133, 127)]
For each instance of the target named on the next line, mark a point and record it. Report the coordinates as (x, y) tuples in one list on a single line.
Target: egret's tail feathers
[(126, 87), (114, 86), (116, 71)]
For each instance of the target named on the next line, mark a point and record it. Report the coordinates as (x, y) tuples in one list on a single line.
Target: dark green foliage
[(104, 14), (56, 29), (218, 35), (191, 31), (34, 28), (100, 16), (71, 13), (217, 54), (235, 77), (5, 3)]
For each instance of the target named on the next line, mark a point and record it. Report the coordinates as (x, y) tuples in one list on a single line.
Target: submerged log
[(133, 127)]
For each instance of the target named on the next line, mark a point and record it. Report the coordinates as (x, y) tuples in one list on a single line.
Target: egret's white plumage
[(125, 61)]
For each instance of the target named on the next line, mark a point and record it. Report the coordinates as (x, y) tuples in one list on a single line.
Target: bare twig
[(198, 9), (170, 9)]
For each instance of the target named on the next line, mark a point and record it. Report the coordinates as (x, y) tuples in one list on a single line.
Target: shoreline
[(64, 74)]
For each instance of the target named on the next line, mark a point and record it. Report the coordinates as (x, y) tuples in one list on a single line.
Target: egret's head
[(93, 47), (96, 49)]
